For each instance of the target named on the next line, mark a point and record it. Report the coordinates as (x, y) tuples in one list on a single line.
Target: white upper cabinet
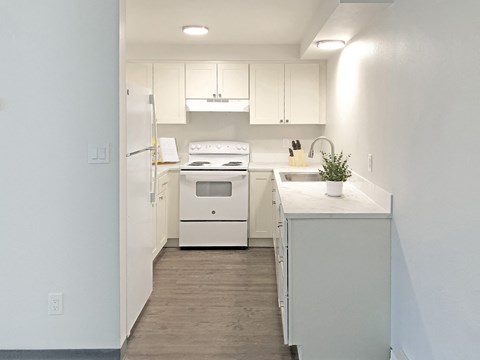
[(287, 94), (302, 94), (169, 91), (232, 81), (206, 81), (266, 93)]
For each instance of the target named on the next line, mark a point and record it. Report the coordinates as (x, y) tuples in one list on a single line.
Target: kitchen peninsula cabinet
[(225, 80), (169, 93), (333, 272), (260, 215), (287, 94)]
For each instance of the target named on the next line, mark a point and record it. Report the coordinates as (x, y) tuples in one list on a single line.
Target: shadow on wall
[(405, 304)]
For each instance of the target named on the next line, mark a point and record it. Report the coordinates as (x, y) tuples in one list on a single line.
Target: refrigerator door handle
[(150, 148), (153, 193)]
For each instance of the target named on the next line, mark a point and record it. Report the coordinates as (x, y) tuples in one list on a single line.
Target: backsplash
[(263, 139)]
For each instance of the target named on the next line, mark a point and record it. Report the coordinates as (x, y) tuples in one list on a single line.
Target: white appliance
[(141, 186), (214, 195)]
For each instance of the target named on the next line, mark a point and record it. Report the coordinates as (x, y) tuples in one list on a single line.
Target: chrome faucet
[(332, 147)]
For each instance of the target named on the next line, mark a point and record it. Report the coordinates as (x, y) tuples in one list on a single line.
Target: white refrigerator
[(141, 187)]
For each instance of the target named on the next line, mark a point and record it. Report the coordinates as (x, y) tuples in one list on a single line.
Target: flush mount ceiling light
[(330, 44), (195, 29)]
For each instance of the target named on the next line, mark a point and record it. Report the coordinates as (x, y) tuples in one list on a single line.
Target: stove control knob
[(192, 147), (219, 146), (244, 147), (199, 146), (239, 147)]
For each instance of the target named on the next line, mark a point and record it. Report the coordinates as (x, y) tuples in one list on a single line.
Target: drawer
[(162, 182)]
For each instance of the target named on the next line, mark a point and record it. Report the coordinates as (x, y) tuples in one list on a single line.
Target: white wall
[(407, 91), (59, 216), (149, 51)]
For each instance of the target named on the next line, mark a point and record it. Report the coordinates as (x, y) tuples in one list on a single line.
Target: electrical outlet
[(370, 162), (286, 143), (55, 304)]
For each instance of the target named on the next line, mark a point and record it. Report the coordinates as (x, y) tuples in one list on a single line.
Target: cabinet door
[(201, 81), (169, 90), (160, 214), (161, 222), (267, 94), (302, 94), (173, 201), (232, 81), (260, 222)]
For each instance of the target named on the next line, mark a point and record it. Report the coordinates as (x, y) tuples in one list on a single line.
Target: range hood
[(217, 105)]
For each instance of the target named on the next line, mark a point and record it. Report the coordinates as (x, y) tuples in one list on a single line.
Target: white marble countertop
[(270, 166), (164, 168), (308, 199)]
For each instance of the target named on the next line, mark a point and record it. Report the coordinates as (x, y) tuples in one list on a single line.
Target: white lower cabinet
[(160, 215), (260, 214), (333, 280), (173, 199)]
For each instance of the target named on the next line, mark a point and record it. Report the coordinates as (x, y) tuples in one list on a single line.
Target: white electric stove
[(214, 195)]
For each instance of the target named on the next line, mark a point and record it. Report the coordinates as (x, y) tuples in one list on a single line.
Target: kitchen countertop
[(308, 199), (164, 168)]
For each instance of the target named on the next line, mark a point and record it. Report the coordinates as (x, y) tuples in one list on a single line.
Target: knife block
[(291, 161), (298, 158)]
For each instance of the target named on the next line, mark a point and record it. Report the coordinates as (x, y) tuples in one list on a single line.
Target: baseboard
[(396, 354), (252, 242), (172, 242), (82, 354), (260, 242)]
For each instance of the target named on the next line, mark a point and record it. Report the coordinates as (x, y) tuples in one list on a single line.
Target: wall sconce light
[(330, 44)]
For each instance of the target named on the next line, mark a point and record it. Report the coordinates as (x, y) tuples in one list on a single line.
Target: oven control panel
[(219, 147)]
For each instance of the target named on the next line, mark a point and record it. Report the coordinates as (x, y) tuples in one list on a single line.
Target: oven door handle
[(213, 177)]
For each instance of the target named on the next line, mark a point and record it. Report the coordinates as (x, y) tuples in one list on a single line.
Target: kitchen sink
[(298, 176)]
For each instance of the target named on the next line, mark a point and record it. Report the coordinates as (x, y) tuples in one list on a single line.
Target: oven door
[(213, 195)]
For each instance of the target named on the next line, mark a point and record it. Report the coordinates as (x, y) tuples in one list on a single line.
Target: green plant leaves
[(336, 168)]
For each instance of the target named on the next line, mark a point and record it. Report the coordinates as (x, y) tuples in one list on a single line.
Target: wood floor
[(211, 304)]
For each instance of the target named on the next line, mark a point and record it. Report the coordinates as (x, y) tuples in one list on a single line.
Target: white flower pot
[(334, 188)]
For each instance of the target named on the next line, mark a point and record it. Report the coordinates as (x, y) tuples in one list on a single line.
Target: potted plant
[(335, 172)]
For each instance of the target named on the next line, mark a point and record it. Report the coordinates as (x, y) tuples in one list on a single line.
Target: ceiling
[(231, 22), (294, 23)]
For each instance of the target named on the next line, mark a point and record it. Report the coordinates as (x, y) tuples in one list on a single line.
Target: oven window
[(214, 189)]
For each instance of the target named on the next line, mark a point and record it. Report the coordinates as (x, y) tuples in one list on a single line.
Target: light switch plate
[(98, 153)]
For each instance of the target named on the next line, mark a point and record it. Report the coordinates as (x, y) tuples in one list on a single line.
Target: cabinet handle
[(287, 121), (214, 95), (273, 202), (165, 183), (280, 225), (161, 197), (219, 95), (281, 120)]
